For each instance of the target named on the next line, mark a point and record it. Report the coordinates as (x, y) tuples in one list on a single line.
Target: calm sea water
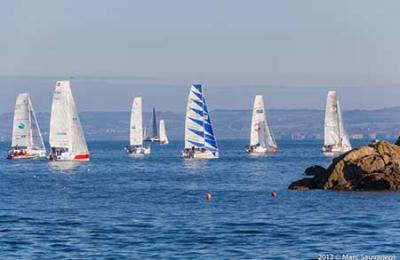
[(117, 207)]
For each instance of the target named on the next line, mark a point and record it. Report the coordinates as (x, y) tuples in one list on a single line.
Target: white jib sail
[(65, 127), (37, 139), (163, 133), (136, 131), (22, 135), (194, 122), (261, 133), (345, 140), (331, 129)]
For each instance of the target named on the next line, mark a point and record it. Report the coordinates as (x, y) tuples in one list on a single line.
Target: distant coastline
[(287, 124)]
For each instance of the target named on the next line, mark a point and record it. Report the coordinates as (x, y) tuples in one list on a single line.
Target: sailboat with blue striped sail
[(200, 141)]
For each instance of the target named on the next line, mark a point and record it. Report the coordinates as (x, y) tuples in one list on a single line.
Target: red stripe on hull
[(82, 157)]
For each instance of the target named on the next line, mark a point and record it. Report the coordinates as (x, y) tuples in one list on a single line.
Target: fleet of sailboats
[(66, 137), (262, 140), (136, 144), (27, 141), (200, 142), (67, 140), (336, 140)]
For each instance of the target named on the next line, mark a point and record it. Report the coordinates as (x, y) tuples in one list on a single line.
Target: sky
[(290, 51)]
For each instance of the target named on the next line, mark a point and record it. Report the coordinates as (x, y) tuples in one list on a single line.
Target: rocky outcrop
[(372, 167)]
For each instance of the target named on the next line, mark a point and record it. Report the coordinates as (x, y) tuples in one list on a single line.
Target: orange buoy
[(208, 196), (274, 194)]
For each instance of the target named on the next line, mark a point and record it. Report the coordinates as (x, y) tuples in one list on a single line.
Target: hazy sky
[(290, 51)]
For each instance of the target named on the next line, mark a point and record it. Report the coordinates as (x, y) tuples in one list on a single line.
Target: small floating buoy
[(208, 196), (274, 194)]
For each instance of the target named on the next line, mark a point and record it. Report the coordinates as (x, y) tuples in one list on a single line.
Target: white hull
[(200, 154), (57, 156), (138, 150), (69, 157), (164, 143), (155, 139), (26, 154), (335, 151), (260, 150)]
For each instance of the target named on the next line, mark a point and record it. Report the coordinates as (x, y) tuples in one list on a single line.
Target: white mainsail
[(335, 135), (26, 132), (65, 126), (21, 135), (261, 134), (136, 132), (163, 133)]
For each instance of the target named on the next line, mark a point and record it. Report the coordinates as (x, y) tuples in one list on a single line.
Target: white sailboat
[(67, 140), (27, 141), (163, 133), (261, 138), (336, 140), (136, 145), (200, 141)]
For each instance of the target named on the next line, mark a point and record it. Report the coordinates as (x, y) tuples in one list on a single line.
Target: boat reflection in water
[(68, 167)]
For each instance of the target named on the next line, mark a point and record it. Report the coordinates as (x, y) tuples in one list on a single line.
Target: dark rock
[(397, 141), (315, 170), (372, 167)]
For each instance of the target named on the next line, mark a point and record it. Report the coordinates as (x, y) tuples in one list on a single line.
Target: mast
[(30, 144)]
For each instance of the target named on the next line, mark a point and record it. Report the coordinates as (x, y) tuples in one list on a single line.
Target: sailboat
[(163, 133), (261, 138), (336, 140), (136, 145), (200, 141), (154, 137), (67, 140), (27, 141)]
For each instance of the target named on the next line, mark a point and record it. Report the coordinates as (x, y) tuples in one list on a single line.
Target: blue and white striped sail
[(194, 123), (198, 127), (209, 138)]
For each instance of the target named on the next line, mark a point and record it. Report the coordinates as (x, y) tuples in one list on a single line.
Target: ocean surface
[(121, 207)]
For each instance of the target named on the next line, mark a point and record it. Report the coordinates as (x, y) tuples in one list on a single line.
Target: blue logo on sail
[(21, 125)]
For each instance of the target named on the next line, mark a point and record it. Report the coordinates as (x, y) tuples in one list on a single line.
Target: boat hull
[(69, 157), (334, 151), (260, 150), (201, 154), (28, 155), (155, 140), (139, 150)]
